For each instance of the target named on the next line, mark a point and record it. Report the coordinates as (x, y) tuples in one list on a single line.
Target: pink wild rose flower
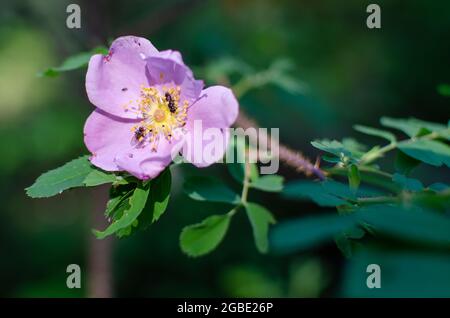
[(148, 108)]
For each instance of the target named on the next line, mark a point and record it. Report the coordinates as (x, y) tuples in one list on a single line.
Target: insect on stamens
[(139, 134), (171, 102)]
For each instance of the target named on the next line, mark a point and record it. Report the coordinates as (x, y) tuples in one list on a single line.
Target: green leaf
[(73, 62), (116, 206), (354, 178), (127, 231), (209, 189), (405, 164), (414, 127), (400, 124), (348, 149), (432, 152), (414, 224), (260, 219), (344, 244), (356, 148), (371, 176), (307, 232), (409, 184), (201, 238), (70, 175), (136, 204), (332, 146), (160, 194), (76, 173), (315, 191), (157, 201), (343, 190), (355, 232), (118, 201), (331, 159), (98, 177), (312, 191), (438, 201), (270, 183), (328, 193), (376, 132), (438, 187)]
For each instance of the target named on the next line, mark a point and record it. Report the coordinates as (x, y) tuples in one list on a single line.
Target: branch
[(290, 157)]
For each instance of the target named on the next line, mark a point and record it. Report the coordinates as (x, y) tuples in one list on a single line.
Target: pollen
[(161, 112)]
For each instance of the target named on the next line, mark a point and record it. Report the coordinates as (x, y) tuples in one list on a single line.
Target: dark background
[(352, 74)]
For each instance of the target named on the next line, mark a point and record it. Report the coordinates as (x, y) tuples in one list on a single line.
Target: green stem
[(242, 87), (379, 200), (343, 171), (245, 188), (246, 183), (372, 156), (252, 81), (406, 197), (234, 210), (370, 176)]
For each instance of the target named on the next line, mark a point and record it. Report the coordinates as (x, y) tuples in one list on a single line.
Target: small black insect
[(139, 133), (124, 89), (171, 102)]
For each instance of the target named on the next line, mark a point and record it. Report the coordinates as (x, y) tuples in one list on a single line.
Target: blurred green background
[(352, 75)]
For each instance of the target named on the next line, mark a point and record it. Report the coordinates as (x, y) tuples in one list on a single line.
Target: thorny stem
[(294, 158), (288, 156)]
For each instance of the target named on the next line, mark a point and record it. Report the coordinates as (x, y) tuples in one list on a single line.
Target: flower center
[(159, 115), (161, 112)]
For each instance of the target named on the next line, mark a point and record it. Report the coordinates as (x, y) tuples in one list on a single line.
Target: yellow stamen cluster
[(161, 113)]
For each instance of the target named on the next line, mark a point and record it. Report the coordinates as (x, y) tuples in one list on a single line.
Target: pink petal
[(111, 141), (144, 163), (106, 137), (217, 109), (167, 67), (114, 80)]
